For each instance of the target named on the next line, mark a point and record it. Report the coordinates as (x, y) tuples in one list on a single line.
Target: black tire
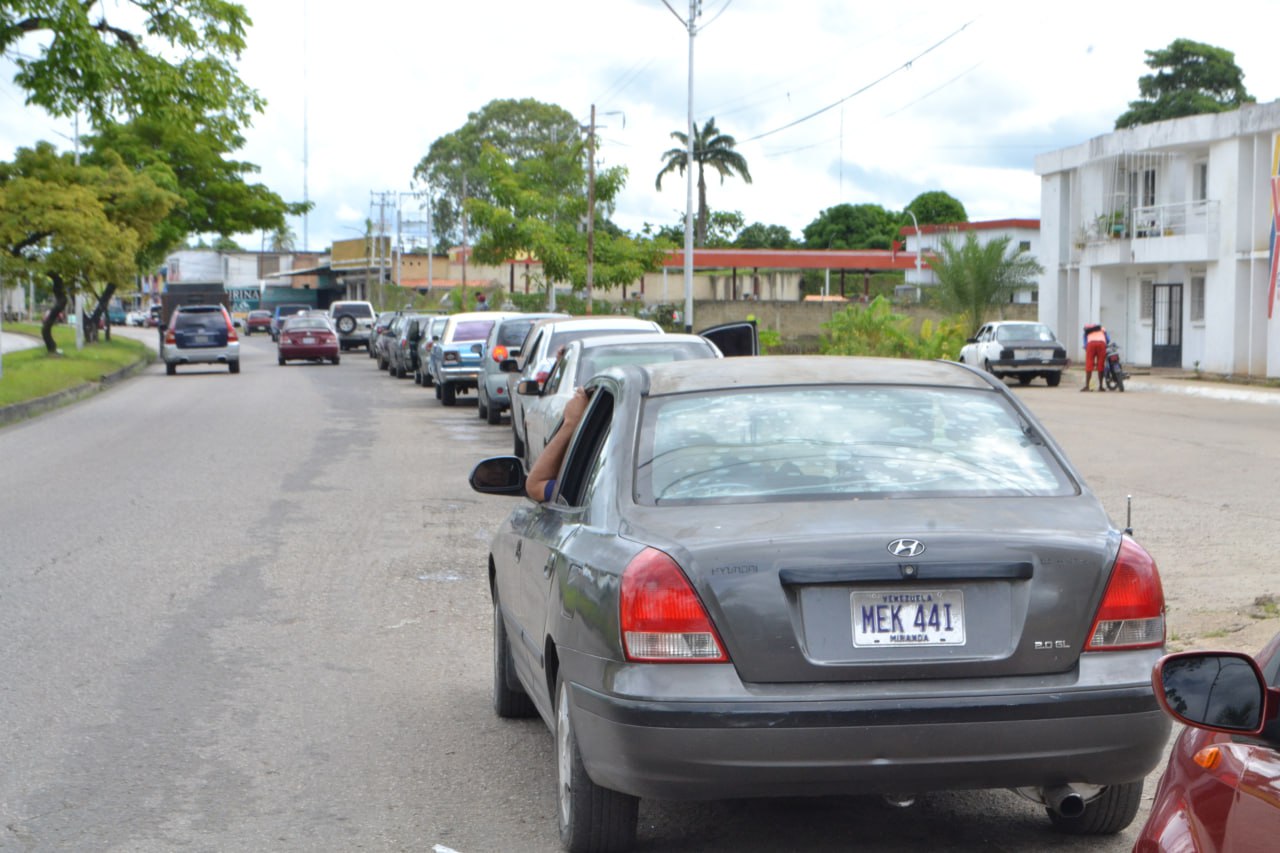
[(1106, 814), (437, 392), (518, 447), (1054, 379), (417, 376), (336, 359), (448, 394), (591, 818), (509, 699), (427, 380), (398, 371), (382, 363), (170, 368), (986, 365), (1024, 378), (233, 366), (482, 411), (346, 324), (493, 415), (280, 360)]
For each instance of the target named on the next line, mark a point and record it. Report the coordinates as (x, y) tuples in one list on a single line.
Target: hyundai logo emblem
[(906, 548)]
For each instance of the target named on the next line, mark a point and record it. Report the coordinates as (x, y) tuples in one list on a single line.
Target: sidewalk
[(10, 342), (1171, 380)]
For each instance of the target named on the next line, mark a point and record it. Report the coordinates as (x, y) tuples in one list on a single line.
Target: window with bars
[(1197, 298)]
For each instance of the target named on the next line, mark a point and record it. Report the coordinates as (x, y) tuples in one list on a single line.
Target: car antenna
[(1128, 514)]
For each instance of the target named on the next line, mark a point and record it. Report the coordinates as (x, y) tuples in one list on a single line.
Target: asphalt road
[(249, 613)]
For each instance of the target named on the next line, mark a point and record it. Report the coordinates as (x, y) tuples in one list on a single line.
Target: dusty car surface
[(1220, 790), (773, 577), (1020, 349)]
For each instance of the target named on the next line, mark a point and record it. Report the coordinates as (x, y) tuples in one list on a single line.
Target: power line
[(903, 67)]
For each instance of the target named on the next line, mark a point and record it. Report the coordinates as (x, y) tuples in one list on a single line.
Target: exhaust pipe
[(1064, 800)]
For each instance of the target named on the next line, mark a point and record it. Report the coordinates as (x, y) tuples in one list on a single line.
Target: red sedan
[(257, 321), (1220, 791), (308, 337)]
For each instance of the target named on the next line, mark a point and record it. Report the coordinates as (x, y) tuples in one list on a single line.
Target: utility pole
[(688, 171), (591, 204)]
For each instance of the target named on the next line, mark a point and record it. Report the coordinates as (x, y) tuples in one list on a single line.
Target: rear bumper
[(201, 355), (308, 351), (495, 391), (462, 377), (1030, 365), (759, 747)]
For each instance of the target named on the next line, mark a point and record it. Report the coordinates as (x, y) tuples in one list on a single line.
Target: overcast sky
[(989, 85)]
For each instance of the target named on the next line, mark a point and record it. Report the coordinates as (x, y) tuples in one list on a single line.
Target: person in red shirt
[(1095, 353)]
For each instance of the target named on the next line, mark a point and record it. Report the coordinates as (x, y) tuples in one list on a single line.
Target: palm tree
[(973, 277), (711, 149)]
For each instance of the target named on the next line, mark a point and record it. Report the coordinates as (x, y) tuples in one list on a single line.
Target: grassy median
[(32, 373)]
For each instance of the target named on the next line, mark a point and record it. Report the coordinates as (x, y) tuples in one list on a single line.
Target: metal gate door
[(1166, 325)]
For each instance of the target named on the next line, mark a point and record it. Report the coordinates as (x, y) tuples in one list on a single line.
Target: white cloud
[(379, 81)]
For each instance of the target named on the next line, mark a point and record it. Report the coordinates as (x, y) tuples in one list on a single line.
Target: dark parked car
[(307, 337), (790, 576), (200, 334), (402, 350), (1220, 790)]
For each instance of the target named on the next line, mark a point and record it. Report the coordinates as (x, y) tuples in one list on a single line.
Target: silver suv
[(354, 322)]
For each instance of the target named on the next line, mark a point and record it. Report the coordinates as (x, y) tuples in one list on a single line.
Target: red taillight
[(169, 338), (1131, 615), (231, 327), (661, 617), (499, 353)]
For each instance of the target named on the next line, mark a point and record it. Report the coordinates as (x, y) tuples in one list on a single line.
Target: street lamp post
[(688, 171), (919, 247)]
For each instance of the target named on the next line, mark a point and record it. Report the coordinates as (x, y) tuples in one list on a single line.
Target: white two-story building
[(1164, 233)]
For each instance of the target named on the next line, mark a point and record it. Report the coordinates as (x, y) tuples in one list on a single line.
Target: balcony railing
[(1174, 220)]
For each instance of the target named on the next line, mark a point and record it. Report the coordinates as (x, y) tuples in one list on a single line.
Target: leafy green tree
[(934, 208), (852, 226), (757, 235), (69, 57), (1191, 78), (74, 225), (973, 277), (518, 130), (537, 208), (711, 150), (722, 229), (217, 195)]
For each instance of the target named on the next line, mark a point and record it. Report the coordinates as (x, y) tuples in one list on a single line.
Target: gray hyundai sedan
[(792, 576)]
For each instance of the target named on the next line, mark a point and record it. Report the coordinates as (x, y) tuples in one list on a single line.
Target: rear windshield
[(296, 323), (285, 310), (352, 309), (597, 359), (565, 338), (842, 443), (512, 333), (472, 330), (209, 320), (1024, 332)]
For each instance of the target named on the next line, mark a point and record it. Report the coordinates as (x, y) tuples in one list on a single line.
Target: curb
[(22, 411)]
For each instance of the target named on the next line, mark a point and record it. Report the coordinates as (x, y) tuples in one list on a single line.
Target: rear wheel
[(1024, 378), (336, 359), (280, 360), (509, 699), (170, 368), (1054, 379), (482, 411), (590, 817), (234, 366), (417, 376), (448, 394), (518, 447), (494, 415), (1106, 814)]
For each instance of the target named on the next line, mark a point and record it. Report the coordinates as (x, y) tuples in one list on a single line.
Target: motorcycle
[(1113, 372)]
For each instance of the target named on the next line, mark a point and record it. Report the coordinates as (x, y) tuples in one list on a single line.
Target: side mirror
[(1219, 691), (529, 387), (499, 475)]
